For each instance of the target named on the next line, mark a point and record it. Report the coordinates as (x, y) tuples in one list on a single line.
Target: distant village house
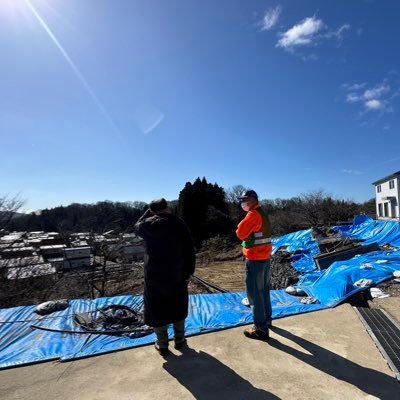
[(387, 192)]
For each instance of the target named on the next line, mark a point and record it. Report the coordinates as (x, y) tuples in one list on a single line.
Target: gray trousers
[(162, 334)]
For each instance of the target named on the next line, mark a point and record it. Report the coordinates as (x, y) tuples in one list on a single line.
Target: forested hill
[(208, 209), (98, 217)]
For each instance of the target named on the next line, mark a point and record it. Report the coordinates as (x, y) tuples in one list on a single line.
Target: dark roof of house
[(394, 175)]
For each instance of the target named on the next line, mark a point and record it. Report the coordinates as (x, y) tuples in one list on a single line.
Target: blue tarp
[(301, 242), (369, 231), (364, 229), (21, 343), (336, 284)]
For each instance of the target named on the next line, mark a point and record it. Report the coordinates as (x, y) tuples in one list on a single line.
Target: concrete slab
[(322, 355)]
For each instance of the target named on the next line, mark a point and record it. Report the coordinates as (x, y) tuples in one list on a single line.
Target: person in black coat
[(169, 264)]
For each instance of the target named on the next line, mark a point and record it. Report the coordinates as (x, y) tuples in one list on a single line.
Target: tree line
[(208, 209)]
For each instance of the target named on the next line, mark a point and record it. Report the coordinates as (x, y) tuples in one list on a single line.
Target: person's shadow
[(207, 378), (366, 379)]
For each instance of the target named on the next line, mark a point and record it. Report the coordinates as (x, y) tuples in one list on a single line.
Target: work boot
[(254, 333), (180, 343), (163, 351)]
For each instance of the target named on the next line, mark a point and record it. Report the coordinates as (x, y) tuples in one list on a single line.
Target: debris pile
[(115, 319), (282, 272)]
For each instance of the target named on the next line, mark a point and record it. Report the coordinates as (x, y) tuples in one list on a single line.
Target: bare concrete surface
[(390, 305), (321, 355)]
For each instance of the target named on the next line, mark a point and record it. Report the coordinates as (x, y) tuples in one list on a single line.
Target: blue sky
[(127, 100)]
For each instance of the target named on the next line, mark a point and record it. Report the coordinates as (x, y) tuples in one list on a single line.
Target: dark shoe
[(179, 344), (163, 351), (254, 333)]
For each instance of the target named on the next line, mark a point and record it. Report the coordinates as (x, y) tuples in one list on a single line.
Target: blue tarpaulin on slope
[(340, 228), (21, 343), (336, 284), (369, 231), (304, 244), (364, 229), (300, 240)]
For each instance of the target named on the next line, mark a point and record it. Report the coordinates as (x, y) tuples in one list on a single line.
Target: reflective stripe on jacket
[(255, 232)]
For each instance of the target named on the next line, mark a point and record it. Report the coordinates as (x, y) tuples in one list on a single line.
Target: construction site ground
[(228, 275), (390, 305), (320, 355)]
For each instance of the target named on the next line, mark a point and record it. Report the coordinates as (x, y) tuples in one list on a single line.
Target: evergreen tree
[(203, 207)]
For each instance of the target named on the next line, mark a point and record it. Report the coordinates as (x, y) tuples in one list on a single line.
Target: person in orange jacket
[(255, 232)]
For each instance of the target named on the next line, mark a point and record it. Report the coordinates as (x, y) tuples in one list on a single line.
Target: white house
[(387, 192)]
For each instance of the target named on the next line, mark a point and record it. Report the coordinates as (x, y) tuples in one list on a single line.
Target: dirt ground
[(227, 271), (392, 288), (228, 275)]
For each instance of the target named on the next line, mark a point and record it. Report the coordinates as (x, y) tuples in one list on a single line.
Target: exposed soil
[(230, 275), (391, 287)]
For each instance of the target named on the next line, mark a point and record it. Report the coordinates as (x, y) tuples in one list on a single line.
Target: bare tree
[(311, 206), (9, 206), (111, 261), (320, 208), (233, 193)]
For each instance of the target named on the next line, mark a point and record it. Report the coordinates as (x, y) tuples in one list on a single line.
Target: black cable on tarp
[(145, 331), (115, 319), (208, 284)]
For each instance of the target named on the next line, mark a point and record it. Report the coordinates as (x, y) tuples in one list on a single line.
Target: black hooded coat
[(169, 262)]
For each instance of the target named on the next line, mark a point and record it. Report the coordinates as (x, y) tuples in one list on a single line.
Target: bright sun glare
[(17, 11), (14, 10)]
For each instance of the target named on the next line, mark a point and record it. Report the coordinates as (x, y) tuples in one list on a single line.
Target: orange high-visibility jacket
[(251, 223)]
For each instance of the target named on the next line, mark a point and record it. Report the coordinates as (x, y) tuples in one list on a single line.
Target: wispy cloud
[(355, 86), (338, 33), (309, 57), (352, 171), (301, 34), (271, 18), (392, 160), (341, 30), (374, 98), (376, 92), (352, 98), (374, 104), (395, 94), (311, 31)]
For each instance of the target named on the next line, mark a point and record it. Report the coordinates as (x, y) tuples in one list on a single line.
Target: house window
[(391, 184), (386, 209), (380, 210), (378, 188)]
